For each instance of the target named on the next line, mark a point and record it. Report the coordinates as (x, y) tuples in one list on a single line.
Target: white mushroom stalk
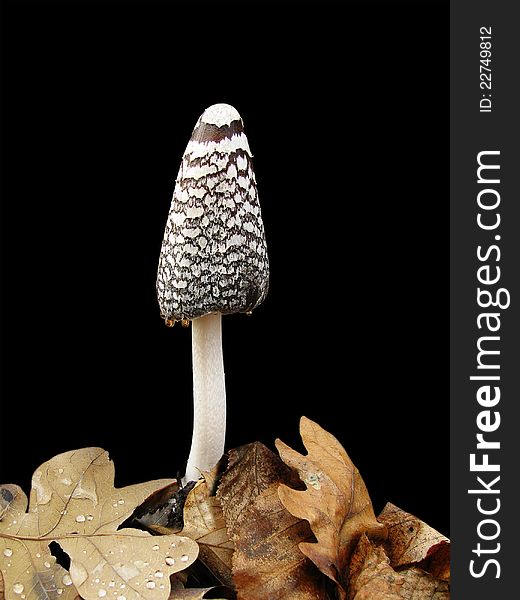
[(209, 396), (213, 261)]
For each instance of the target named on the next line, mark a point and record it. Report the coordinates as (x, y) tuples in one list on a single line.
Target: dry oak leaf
[(179, 592), (74, 502), (1, 587), (336, 502), (29, 570), (251, 469), (204, 523), (161, 512), (419, 585), (413, 542), (267, 563), (371, 577), (218, 592)]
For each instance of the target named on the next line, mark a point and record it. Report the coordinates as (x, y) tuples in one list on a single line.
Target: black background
[(346, 111)]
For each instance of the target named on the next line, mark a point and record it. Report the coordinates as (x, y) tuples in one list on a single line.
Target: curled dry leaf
[(371, 577), (438, 563), (419, 585), (267, 562), (219, 592), (74, 502), (204, 523), (413, 542), (194, 512), (336, 502), (163, 509)]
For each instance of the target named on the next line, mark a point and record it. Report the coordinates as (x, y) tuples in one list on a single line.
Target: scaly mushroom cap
[(214, 255)]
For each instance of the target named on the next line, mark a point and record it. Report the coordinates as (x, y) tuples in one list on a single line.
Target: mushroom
[(213, 261)]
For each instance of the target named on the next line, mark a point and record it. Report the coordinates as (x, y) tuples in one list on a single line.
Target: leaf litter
[(259, 527)]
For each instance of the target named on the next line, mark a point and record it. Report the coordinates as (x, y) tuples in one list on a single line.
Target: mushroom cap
[(214, 255)]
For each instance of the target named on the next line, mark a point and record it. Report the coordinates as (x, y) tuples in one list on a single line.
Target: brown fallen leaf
[(251, 470), (219, 592), (193, 511), (163, 509), (74, 502), (204, 523), (419, 585), (413, 542), (438, 563), (27, 565), (267, 562), (371, 577), (336, 502)]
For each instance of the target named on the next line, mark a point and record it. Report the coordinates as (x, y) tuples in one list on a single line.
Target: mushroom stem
[(209, 396)]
